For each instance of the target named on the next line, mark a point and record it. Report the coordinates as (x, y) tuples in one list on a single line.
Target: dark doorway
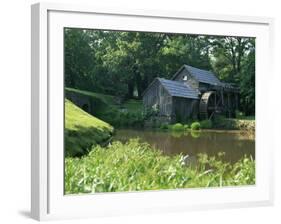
[(85, 107)]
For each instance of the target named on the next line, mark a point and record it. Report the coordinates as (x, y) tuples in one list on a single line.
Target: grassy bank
[(83, 130), (109, 109), (137, 166)]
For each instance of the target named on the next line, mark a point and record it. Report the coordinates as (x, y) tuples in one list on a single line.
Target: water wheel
[(207, 105)]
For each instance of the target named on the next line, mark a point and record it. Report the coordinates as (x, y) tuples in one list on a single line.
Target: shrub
[(186, 127), (164, 126), (206, 124), (178, 127), (195, 126)]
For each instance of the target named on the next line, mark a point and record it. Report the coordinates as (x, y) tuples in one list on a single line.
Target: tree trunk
[(138, 83), (130, 88)]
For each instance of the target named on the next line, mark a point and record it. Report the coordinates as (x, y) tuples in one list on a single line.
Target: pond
[(235, 144)]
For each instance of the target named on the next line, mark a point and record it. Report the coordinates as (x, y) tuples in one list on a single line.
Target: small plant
[(186, 127), (206, 124), (178, 127), (164, 126), (195, 126)]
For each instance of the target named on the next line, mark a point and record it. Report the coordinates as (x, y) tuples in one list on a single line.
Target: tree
[(125, 63), (78, 58), (247, 84), (228, 55)]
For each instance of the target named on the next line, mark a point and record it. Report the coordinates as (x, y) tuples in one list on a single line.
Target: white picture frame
[(47, 198)]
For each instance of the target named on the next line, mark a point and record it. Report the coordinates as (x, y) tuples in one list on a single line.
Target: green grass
[(125, 114), (133, 105), (130, 105), (136, 166), (108, 99), (83, 130)]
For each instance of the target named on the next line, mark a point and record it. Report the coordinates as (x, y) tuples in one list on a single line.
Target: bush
[(195, 126), (123, 119), (186, 127), (206, 124), (178, 127), (164, 126)]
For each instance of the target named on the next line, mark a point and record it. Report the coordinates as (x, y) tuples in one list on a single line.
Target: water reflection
[(234, 144)]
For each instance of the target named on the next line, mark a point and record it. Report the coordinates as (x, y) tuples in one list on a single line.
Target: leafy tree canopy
[(125, 63)]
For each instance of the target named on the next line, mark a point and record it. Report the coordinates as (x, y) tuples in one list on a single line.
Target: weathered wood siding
[(190, 79), (184, 108), (157, 95)]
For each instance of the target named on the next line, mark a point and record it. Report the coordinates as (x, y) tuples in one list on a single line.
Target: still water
[(235, 144)]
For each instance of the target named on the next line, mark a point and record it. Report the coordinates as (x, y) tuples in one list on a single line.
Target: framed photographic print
[(148, 111)]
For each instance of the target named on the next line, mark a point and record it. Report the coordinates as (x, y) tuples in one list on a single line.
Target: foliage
[(164, 126), (82, 130), (125, 63), (195, 126), (151, 112), (206, 124), (247, 83), (123, 118), (178, 127), (136, 166), (126, 114), (244, 123), (186, 127), (234, 62), (239, 114)]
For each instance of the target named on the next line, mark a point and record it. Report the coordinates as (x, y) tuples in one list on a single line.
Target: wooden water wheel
[(207, 105)]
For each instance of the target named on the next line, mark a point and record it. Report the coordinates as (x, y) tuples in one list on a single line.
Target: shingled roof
[(178, 89), (200, 74)]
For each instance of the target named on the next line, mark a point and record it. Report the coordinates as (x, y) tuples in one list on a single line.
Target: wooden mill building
[(191, 93)]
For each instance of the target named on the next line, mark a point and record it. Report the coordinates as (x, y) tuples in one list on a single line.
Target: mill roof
[(178, 89), (200, 74)]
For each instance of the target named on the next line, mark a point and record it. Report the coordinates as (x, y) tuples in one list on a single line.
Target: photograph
[(150, 111)]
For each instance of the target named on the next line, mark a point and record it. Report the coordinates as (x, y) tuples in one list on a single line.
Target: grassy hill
[(83, 130), (119, 114)]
